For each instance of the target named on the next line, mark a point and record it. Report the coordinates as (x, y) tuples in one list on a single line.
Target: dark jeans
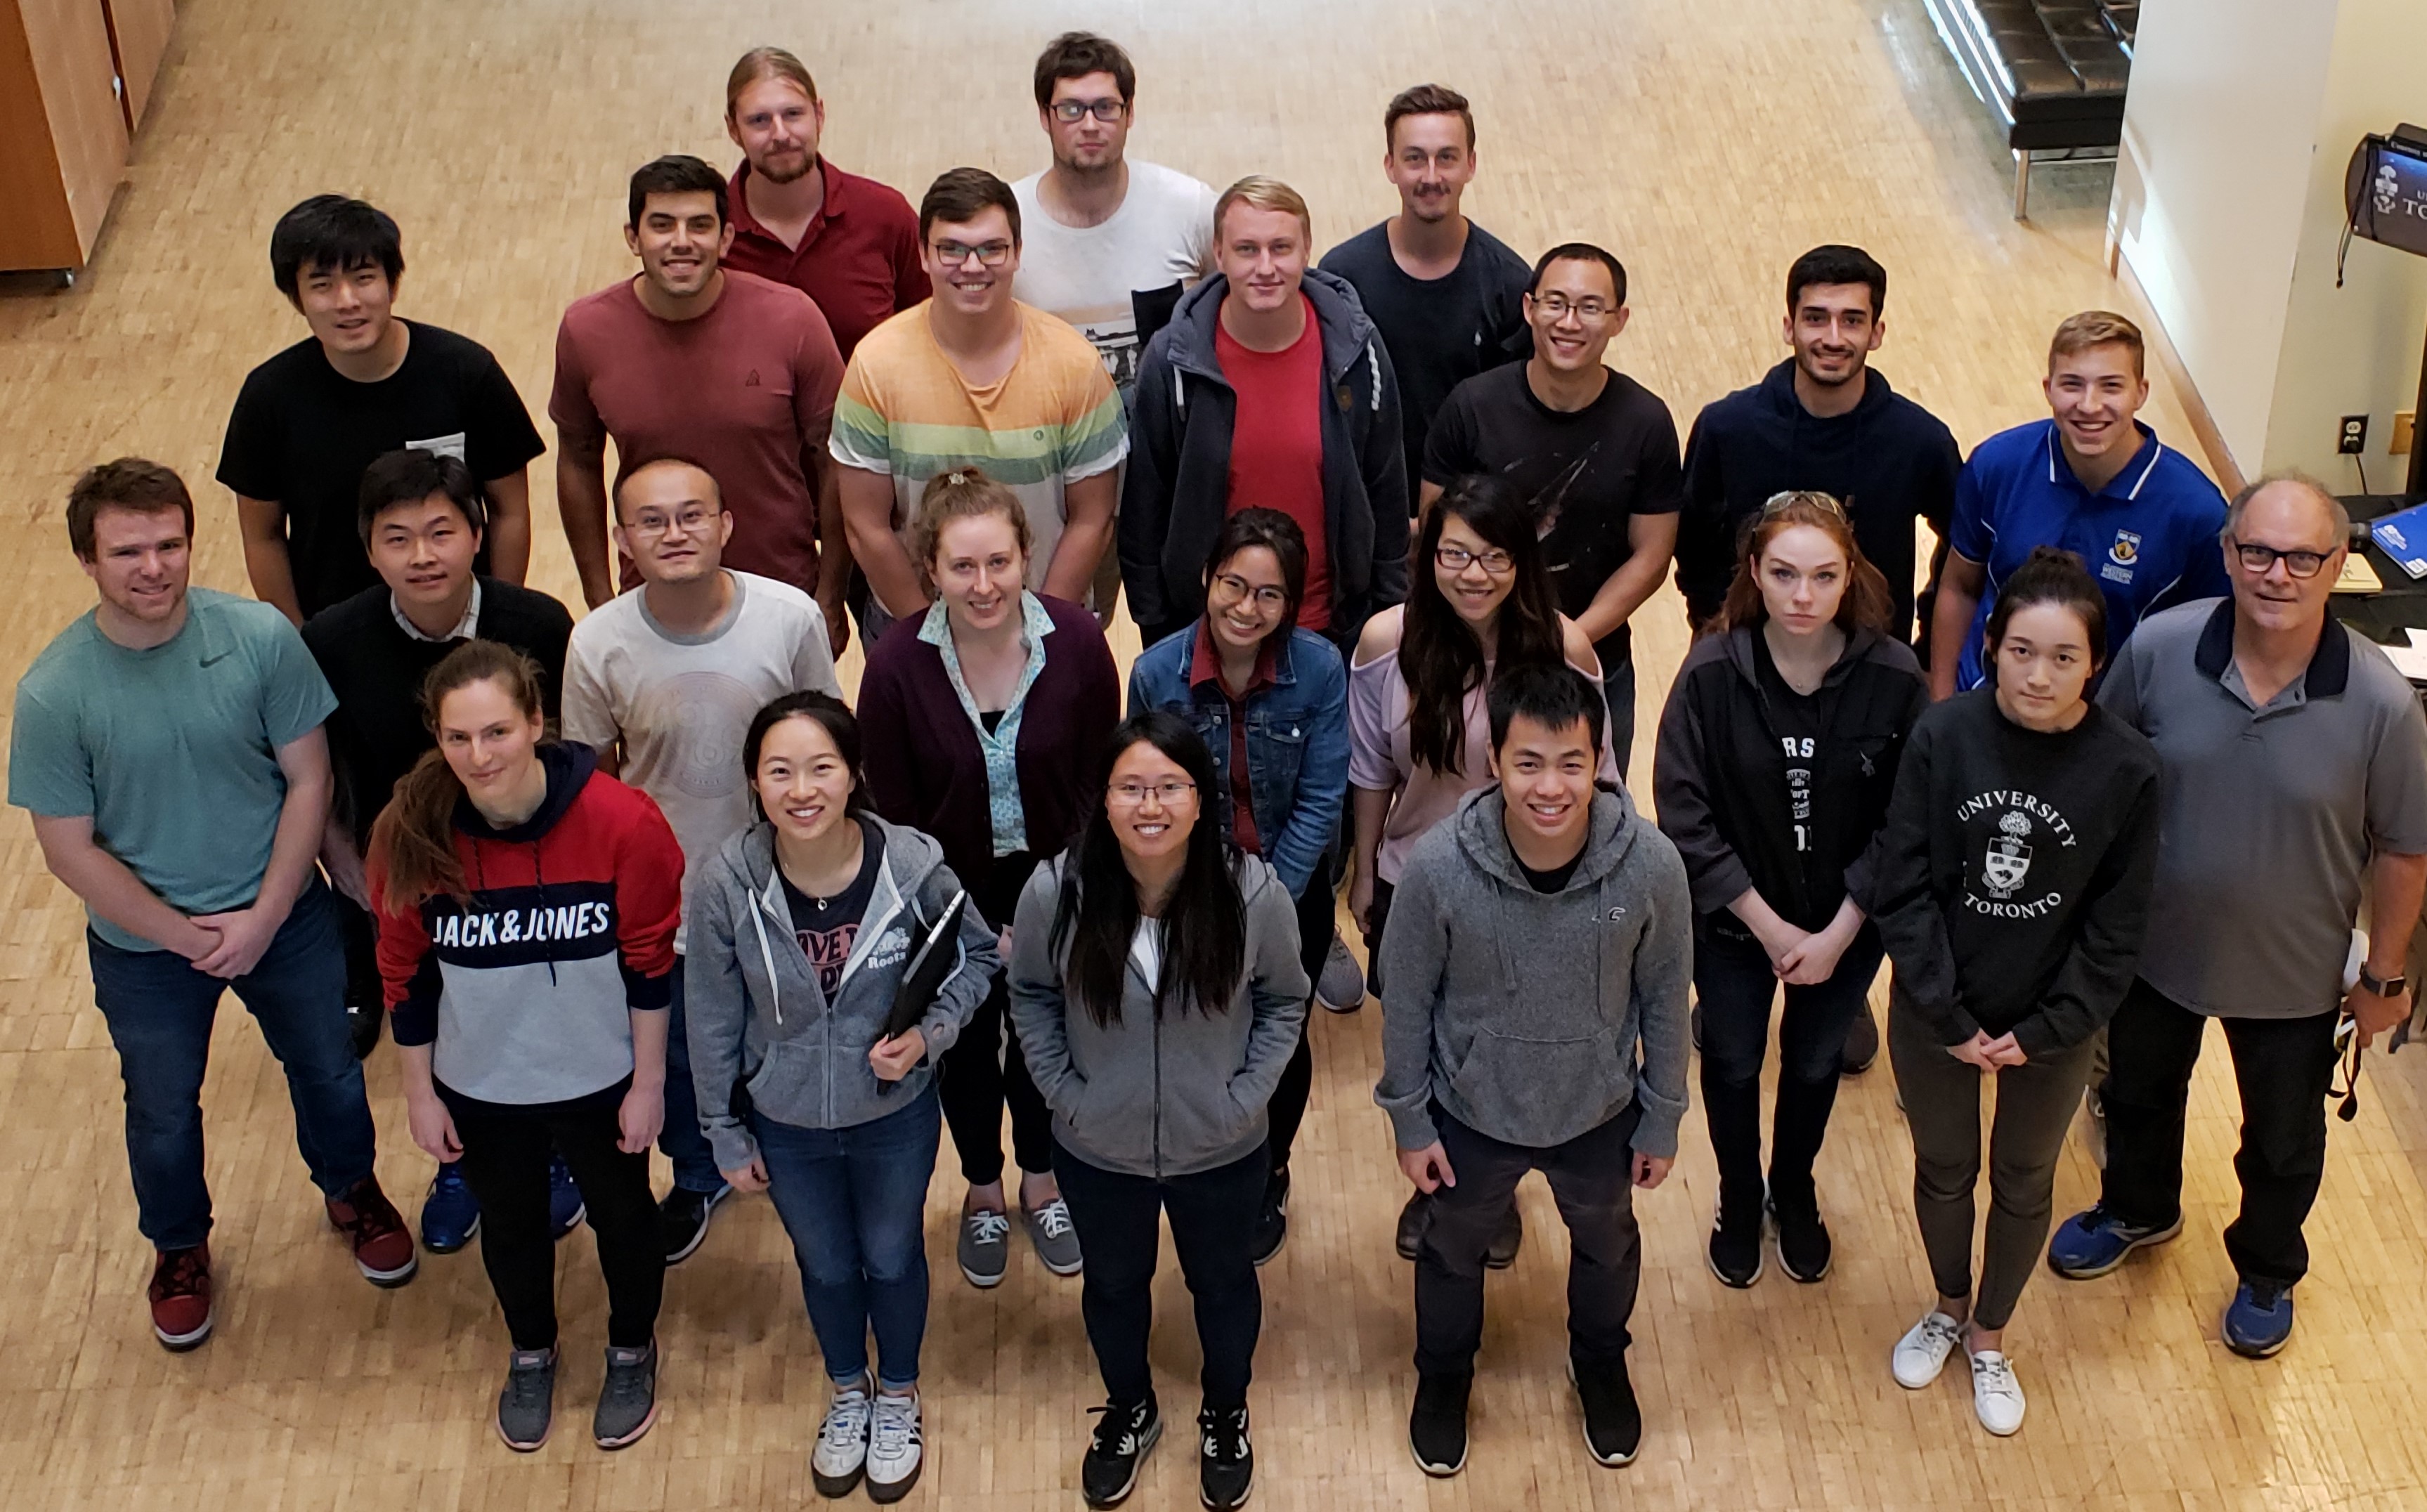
[(1591, 1181), (1735, 985), (1618, 692), (680, 1140), (506, 1152), (159, 1011), (1287, 1110), (1213, 1220), (2283, 1068), (853, 1201), (361, 937), (1942, 1108), (983, 1072), (1378, 914)]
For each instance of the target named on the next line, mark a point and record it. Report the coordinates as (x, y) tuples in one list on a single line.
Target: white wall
[(2228, 204)]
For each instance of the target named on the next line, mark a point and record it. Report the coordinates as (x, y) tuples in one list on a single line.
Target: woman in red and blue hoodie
[(527, 913)]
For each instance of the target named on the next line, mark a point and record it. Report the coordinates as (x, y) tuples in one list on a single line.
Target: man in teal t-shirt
[(168, 745)]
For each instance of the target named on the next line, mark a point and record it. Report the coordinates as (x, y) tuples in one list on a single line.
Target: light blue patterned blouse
[(1000, 748)]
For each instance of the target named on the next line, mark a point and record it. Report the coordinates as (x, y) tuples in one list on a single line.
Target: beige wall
[(2228, 206)]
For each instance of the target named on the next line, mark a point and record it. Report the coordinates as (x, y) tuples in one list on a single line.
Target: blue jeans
[(159, 1010), (854, 1202), (680, 1140)]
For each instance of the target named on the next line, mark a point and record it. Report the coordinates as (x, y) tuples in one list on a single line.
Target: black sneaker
[(1414, 1219), (628, 1401), (682, 1220), (1803, 1247), (1436, 1427), (1862, 1044), (1225, 1462), (1613, 1424), (1735, 1251), (1272, 1220), (528, 1404), (362, 1028), (1123, 1436), (1502, 1252)]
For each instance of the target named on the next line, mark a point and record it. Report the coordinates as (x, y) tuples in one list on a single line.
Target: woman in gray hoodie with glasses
[(802, 929)]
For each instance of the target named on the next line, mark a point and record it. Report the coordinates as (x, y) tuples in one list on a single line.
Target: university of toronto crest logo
[(2008, 859)]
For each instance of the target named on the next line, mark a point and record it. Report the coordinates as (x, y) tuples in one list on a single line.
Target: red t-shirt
[(858, 259), (1276, 446), (746, 391)]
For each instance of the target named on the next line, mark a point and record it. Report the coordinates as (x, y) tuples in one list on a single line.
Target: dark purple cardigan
[(919, 754)]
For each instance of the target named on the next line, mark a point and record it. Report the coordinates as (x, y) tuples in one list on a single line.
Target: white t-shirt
[(682, 704), (1161, 235)]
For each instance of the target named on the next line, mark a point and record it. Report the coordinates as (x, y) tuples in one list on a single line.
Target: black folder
[(925, 975)]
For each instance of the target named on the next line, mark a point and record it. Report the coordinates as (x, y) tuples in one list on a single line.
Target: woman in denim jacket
[(1272, 702)]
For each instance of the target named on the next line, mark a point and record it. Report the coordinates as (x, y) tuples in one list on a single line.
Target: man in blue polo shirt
[(2093, 479)]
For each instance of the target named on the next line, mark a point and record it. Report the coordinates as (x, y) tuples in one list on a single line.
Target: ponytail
[(413, 842)]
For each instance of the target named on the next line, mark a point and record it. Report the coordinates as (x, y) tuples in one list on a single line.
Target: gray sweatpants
[(1942, 1107)]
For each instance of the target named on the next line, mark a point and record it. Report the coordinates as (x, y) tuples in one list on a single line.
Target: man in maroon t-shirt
[(848, 242), (724, 371)]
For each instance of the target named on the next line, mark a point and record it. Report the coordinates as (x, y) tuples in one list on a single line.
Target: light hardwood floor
[(1708, 144)]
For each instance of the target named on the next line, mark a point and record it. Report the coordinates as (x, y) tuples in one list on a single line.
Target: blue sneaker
[(565, 1204), (451, 1215), (2258, 1320), (2094, 1242)]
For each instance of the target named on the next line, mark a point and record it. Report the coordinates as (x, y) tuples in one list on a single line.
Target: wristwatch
[(2382, 987)]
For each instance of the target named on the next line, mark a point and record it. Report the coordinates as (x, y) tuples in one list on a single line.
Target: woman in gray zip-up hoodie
[(802, 928), (1156, 984)]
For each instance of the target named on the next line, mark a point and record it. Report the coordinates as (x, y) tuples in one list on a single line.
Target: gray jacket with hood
[(756, 1013), (1160, 1093), (1533, 1017)]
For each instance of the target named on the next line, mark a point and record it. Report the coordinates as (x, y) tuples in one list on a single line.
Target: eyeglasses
[(650, 525), (2258, 559), (1558, 305), (1069, 111), (1778, 504), (1495, 563), (954, 253), (1131, 794), (1230, 588)]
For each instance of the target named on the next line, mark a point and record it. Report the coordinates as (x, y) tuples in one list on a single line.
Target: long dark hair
[(1439, 659), (415, 835), (1276, 533), (828, 713), (1205, 923), (1863, 605)]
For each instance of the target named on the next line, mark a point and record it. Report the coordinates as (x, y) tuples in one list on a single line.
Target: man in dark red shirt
[(848, 242)]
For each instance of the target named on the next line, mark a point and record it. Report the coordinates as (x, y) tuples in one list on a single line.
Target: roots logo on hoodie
[(1999, 851)]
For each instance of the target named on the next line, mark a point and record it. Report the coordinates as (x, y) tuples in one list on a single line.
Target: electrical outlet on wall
[(2350, 438)]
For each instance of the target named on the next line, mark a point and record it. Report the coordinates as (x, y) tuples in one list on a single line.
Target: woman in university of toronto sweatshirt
[(2012, 892)]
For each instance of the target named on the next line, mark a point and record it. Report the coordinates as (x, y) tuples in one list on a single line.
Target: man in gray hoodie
[(1535, 1019)]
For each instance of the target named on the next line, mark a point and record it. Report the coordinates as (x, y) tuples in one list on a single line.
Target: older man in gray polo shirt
[(2295, 763)]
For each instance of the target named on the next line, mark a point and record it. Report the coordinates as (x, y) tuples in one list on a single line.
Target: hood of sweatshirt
[(568, 765), (1804, 434), (1347, 332), (1859, 648), (1484, 838)]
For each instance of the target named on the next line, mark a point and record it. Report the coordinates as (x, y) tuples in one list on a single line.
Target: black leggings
[(1290, 1095), (982, 1073), (506, 1151)]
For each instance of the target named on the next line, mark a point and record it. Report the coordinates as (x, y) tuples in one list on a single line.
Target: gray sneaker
[(1342, 985), (1056, 1240), (627, 1402), (985, 1248), (528, 1404)]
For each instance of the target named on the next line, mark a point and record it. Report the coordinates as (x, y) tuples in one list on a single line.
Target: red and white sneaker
[(181, 1298), (382, 1244)]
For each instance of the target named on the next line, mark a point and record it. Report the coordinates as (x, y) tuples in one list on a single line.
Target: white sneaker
[(1996, 1396), (1921, 1354), (895, 1449), (836, 1464)]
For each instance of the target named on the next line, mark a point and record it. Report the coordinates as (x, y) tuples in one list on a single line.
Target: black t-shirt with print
[(302, 433), (1800, 721), (826, 927)]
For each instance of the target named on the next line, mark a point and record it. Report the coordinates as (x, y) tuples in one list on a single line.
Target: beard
[(788, 176)]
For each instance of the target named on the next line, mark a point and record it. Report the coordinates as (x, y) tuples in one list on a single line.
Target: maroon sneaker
[(181, 1298), (382, 1244)]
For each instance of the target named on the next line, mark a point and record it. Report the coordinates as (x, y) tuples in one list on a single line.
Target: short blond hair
[(1262, 194), (763, 63), (963, 494), (2096, 327)]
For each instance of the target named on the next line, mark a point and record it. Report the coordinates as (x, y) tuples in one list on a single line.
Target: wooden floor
[(1708, 144)]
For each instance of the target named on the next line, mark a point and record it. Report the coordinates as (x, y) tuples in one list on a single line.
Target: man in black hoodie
[(1820, 421), (1270, 388)]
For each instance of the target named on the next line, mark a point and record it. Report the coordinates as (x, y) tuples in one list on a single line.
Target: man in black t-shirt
[(1594, 451), (364, 383), (419, 524), (1443, 291)]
